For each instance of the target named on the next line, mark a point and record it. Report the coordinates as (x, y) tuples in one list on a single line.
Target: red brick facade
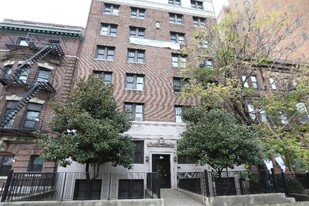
[(158, 95), (17, 141)]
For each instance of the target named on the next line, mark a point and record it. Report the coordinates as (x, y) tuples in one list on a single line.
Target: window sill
[(108, 60), (134, 90), (111, 14), (136, 63), (3, 177), (137, 18), (103, 35)]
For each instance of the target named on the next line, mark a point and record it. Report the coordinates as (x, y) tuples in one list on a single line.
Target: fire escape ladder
[(20, 104), (14, 77), (35, 58)]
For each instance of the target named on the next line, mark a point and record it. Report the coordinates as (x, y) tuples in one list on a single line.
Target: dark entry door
[(162, 164)]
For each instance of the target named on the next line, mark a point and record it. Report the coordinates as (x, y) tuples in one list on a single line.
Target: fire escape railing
[(42, 48)]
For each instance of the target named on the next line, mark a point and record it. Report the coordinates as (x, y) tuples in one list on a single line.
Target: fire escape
[(42, 45)]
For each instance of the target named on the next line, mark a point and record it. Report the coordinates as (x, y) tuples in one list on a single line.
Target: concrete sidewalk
[(176, 198)]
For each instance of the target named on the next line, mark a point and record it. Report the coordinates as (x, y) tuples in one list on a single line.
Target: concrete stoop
[(249, 200)]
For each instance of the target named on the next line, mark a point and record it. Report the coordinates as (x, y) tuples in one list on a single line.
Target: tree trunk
[(88, 183)]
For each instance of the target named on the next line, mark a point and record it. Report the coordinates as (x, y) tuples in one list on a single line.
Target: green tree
[(216, 138), (88, 129), (250, 48)]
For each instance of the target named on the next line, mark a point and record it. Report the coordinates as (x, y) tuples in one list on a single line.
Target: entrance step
[(173, 197)]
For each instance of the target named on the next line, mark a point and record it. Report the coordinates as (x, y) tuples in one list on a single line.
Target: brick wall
[(158, 96)]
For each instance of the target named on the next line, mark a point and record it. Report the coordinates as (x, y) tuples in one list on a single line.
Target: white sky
[(68, 12)]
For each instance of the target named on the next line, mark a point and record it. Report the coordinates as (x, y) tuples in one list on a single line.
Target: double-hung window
[(178, 111), (138, 152), (176, 18), (25, 71), (302, 110), (136, 56), (31, 116), (178, 38), (138, 13), (206, 63), (7, 71), (272, 82), (43, 75), (199, 22), (108, 29), (112, 9), (10, 113), (250, 81), (178, 83), (251, 111), (197, 4), (35, 164), (6, 163), (135, 111), (137, 32), (175, 2), (179, 60), (135, 82), (105, 52), (105, 76)]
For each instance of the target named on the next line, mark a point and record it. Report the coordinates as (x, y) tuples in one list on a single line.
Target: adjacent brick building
[(37, 64)]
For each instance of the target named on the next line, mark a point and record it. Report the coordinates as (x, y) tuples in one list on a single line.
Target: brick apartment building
[(296, 44), (136, 46), (37, 64)]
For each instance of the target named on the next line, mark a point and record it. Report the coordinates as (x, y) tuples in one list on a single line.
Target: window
[(178, 38), (108, 29), (135, 111), (179, 61), (25, 71), (305, 36), (283, 117), (138, 13), (111, 9), (136, 55), (32, 115), (250, 81), (302, 109), (131, 189), (251, 111), (105, 76), (6, 163), (137, 32), (197, 4), (298, 22), (81, 191), (138, 152), (9, 106), (176, 18), (106, 53), (22, 42), (199, 22), (43, 75), (175, 2), (272, 83), (35, 164), (178, 111), (178, 83), (135, 82), (206, 63), (263, 115), (254, 82), (7, 71)]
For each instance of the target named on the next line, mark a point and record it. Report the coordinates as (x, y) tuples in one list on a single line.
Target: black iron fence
[(80, 186), (243, 182)]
